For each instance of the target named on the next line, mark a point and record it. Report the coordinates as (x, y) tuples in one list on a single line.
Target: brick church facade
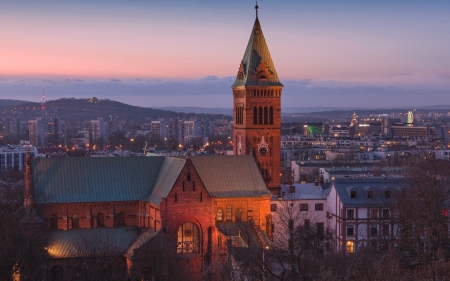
[(138, 210)]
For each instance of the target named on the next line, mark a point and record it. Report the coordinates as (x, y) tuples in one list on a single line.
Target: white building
[(360, 211), (12, 157), (299, 204)]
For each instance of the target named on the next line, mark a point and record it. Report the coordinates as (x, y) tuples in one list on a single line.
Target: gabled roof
[(256, 57), (230, 176), (378, 185), (91, 242), (70, 179)]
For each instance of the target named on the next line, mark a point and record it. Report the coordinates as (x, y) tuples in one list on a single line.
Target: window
[(306, 223), (57, 273), (350, 246), (350, 230), (385, 229), (320, 228), (188, 177), (350, 214), (273, 207), (373, 245), (255, 115), (53, 222), (266, 115), (260, 115), (271, 115), (121, 219), (188, 239), (319, 207), (353, 194), (387, 194), (373, 213), (100, 220), (219, 215), (238, 215), (385, 214), (303, 207), (75, 221), (228, 214), (370, 194), (291, 224), (373, 230)]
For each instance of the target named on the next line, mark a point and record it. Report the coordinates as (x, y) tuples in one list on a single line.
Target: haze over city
[(187, 53)]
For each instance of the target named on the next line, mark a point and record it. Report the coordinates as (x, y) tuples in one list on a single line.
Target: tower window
[(266, 115), (260, 117), (255, 115), (271, 115)]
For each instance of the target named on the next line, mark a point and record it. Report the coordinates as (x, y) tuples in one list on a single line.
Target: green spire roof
[(257, 68)]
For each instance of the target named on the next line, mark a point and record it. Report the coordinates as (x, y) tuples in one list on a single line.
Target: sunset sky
[(162, 53)]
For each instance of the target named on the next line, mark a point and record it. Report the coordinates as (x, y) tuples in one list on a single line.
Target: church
[(186, 211)]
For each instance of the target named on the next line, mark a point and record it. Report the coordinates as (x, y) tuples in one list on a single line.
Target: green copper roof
[(92, 242), (230, 176), (257, 52), (69, 179)]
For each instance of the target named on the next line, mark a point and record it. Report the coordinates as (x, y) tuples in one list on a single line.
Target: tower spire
[(256, 8)]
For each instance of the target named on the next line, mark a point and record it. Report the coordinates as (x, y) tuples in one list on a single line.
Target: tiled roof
[(91, 242), (230, 176), (362, 186), (255, 52), (70, 179), (143, 238)]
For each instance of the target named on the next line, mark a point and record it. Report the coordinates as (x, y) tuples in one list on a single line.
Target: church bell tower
[(257, 108)]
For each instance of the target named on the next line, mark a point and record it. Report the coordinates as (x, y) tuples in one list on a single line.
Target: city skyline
[(181, 54)]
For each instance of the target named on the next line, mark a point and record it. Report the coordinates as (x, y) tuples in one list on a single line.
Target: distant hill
[(199, 110), (8, 102), (76, 110)]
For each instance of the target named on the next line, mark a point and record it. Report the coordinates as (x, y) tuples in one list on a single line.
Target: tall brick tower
[(257, 108)]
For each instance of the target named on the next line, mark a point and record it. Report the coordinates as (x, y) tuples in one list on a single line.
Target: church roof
[(92, 242), (257, 68), (230, 176), (73, 180)]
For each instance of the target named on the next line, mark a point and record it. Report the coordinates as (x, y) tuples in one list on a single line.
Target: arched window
[(238, 216), (271, 115), (57, 273), (228, 214), (188, 239), (255, 115), (53, 221), (121, 219), (266, 115), (100, 220), (75, 221), (260, 117), (219, 215)]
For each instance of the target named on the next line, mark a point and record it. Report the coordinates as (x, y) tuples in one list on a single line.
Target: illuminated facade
[(257, 109)]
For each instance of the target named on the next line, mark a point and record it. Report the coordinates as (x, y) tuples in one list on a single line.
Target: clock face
[(263, 151)]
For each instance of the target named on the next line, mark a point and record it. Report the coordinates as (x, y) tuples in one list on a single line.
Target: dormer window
[(387, 194), (370, 194), (353, 193)]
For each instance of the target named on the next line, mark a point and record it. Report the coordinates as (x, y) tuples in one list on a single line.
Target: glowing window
[(350, 246), (228, 214), (188, 239), (219, 215)]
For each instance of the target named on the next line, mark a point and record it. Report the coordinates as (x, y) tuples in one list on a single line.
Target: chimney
[(28, 181), (316, 183)]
